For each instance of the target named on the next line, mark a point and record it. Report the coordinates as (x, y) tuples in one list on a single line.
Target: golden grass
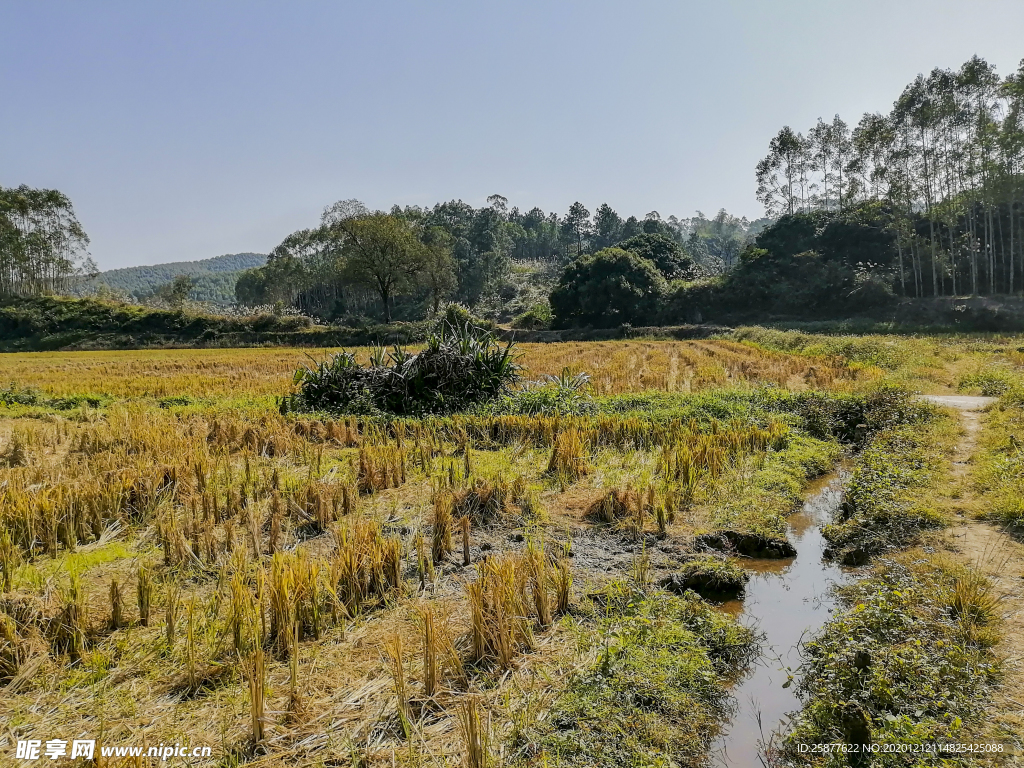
[(615, 367)]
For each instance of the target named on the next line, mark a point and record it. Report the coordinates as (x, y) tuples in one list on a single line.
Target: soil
[(999, 555)]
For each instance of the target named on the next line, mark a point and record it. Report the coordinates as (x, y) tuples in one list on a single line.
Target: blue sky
[(183, 130)]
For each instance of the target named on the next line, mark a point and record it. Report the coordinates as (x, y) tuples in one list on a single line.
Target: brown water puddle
[(787, 601)]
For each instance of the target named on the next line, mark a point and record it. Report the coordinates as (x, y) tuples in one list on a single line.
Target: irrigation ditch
[(789, 600), (786, 600)]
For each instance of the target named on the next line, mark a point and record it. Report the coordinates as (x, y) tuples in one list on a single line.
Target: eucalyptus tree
[(779, 173), (42, 244), (946, 161)]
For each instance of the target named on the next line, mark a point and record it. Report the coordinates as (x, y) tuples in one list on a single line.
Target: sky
[(183, 130)]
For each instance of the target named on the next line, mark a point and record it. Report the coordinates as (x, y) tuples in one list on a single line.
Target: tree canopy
[(610, 287)]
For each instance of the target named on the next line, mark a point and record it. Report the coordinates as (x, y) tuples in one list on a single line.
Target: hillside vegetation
[(213, 280)]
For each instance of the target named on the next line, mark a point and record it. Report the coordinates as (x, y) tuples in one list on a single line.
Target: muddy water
[(786, 600)]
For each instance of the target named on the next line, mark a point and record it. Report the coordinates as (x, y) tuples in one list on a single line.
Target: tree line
[(42, 245), (940, 173), (407, 261)]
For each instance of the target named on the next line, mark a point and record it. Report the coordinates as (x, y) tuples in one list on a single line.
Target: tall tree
[(383, 253), (577, 220), (42, 244), (607, 229)]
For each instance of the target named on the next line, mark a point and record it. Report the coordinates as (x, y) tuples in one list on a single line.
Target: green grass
[(999, 474), (756, 499), (885, 504), (655, 695), (899, 661)]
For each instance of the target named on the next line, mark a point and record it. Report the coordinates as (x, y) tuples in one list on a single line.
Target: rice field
[(475, 590), (615, 367)]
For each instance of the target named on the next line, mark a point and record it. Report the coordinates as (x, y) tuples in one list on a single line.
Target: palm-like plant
[(459, 367)]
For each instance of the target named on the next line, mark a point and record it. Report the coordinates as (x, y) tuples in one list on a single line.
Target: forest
[(212, 280), (922, 201)]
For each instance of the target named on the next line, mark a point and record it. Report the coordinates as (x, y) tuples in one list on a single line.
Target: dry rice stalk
[(475, 734), (116, 606), (430, 648), (563, 586), (539, 586), (464, 524), (256, 673), (10, 556), (441, 541), (72, 622), (394, 656), (171, 615), (296, 709), (568, 455)]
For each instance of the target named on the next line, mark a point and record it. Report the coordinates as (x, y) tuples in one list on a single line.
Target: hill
[(214, 278)]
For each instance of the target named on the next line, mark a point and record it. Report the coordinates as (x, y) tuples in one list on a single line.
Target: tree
[(631, 227), (42, 245), (666, 254), (607, 227), (605, 289), (438, 266), (945, 162), (577, 221), (779, 173), (383, 253), (179, 290)]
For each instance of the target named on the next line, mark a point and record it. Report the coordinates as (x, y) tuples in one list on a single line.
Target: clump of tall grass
[(569, 455), (296, 599), (381, 467), (476, 734), (256, 676), (144, 593), (394, 655), (367, 566), (116, 606), (441, 529), (503, 601), (72, 623), (171, 614)]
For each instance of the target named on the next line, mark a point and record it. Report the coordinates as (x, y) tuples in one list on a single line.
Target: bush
[(655, 694), (461, 366), (899, 665), (607, 289), (536, 318)]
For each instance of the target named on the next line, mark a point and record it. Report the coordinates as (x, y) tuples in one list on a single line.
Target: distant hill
[(214, 278)]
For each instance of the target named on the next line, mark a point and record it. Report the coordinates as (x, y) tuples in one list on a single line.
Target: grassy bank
[(909, 662)]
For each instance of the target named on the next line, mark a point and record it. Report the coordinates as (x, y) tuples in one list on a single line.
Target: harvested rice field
[(557, 577)]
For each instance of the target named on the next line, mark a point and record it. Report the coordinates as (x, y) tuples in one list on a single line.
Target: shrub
[(901, 659), (655, 694), (536, 318), (461, 366), (607, 289)]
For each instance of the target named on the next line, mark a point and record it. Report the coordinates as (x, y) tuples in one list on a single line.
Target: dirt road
[(1000, 557)]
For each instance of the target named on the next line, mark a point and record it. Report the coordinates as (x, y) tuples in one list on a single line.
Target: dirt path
[(999, 557)]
